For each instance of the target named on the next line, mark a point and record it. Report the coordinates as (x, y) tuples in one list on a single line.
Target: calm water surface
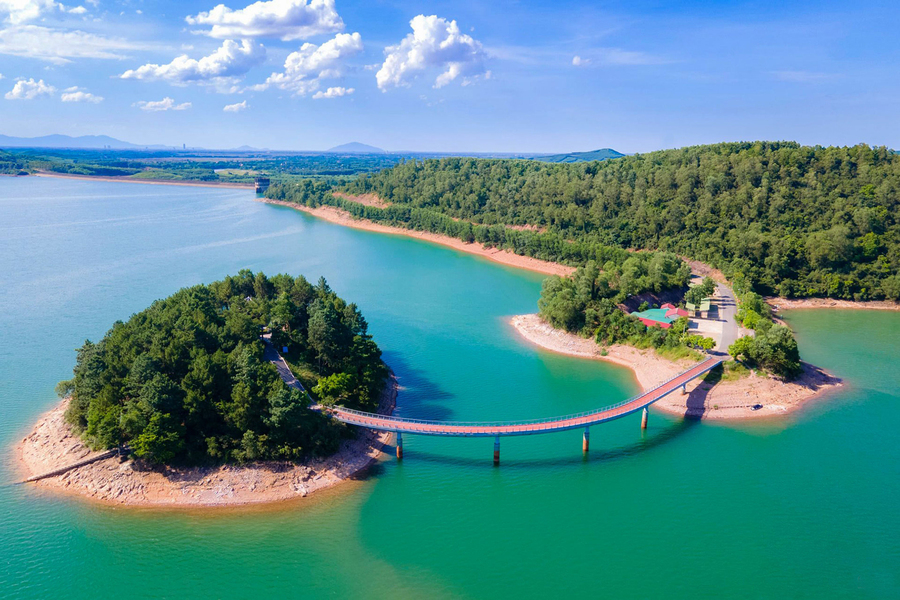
[(802, 507)]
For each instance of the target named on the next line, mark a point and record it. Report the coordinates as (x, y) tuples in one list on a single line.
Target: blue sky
[(501, 75)]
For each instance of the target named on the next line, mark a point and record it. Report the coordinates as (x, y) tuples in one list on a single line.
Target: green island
[(187, 380)]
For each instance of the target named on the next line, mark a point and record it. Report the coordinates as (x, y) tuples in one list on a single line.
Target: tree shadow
[(418, 395)]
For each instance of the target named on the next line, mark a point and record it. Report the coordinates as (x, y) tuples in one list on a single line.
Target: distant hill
[(573, 157), (67, 141), (356, 148)]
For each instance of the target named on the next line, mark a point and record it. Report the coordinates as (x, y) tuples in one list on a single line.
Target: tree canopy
[(794, 220), (186, 380)]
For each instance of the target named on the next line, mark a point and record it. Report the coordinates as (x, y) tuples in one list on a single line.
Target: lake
[(804, 506)]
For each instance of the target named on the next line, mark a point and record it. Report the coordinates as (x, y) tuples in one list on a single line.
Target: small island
[(214, 396)]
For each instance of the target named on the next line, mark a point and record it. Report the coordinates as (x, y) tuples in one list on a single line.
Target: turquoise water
[(802, 507)]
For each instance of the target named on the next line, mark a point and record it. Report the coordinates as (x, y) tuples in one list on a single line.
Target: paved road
[(375, 421), (727, 308)]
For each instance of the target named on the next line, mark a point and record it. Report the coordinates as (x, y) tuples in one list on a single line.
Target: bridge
[(585, 420)]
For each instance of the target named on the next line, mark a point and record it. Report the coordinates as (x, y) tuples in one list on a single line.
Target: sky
[(461, 76)]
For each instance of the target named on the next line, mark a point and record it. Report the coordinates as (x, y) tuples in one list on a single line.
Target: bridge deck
[(484, 429)]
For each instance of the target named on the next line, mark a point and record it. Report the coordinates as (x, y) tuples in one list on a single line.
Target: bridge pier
[(497, 451), (645, 414), (683, 389), (399, 443), (586, 440)]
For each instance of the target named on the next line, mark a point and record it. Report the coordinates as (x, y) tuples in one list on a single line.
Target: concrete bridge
[(585, 420)]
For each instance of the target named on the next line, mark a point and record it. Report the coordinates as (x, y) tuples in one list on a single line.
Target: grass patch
[(157, 175), (678, 353)]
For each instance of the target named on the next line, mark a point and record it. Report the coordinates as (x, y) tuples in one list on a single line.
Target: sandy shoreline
[(792, 303), (209, 184), (52, 445), (341, 217), (724, 400)]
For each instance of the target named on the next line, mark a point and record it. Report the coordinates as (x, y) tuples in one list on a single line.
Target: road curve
[(477, 429)]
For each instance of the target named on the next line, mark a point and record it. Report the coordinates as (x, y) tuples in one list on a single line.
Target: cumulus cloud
[(29, 89), (285, 19), (21, 11), (76, 94), (580, 62), (434, 44), (229, 61), (333, 92), (60, 47), (164, 104), (236, 107), (305, 69)]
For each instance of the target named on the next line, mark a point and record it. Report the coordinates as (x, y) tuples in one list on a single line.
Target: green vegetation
[(773, 347), (185, 380), (573, 157), (793, 220), (587, 303), (193, 166), (698, 292), (774, 350)]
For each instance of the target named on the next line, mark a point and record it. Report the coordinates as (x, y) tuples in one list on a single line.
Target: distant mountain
[(573, 157), (67, 141), (356, 148)]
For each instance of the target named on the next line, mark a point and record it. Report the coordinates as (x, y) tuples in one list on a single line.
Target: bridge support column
[(586, 440), (399, 444), (683, 389), (644, 416), (496, 451)]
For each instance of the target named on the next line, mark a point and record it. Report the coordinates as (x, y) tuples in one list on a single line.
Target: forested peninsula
[(189, 386), (794, 221)]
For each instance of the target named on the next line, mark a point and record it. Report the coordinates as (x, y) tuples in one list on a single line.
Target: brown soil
[(52, 445), (213, 184), (789, 303), (365, 199), (505, 257), (724, 400)]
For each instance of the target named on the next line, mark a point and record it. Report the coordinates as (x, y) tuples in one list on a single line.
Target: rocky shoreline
[(51, 445), (724, 400)]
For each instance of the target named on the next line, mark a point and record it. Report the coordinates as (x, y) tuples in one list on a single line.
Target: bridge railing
[(706, 365)]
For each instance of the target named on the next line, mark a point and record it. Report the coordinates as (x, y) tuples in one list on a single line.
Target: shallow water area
[(803, 507)]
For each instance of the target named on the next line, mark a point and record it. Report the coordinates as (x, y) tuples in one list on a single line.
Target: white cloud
[(435, 43), (20, 11), (230, 60), (29, 89), (617, 57), (304, 69), (164, 104), (285, 19), (803, 76), (333, 92), (59, 46), (75, 94), (236, 107)]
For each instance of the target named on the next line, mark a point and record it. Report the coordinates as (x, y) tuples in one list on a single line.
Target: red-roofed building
[(668, 305), (674, 313)]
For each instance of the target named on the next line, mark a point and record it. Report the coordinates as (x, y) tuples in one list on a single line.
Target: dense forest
[(794, 220), (186, 381)]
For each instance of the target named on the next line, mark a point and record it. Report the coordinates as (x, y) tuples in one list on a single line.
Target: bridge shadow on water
[(647, 441)]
